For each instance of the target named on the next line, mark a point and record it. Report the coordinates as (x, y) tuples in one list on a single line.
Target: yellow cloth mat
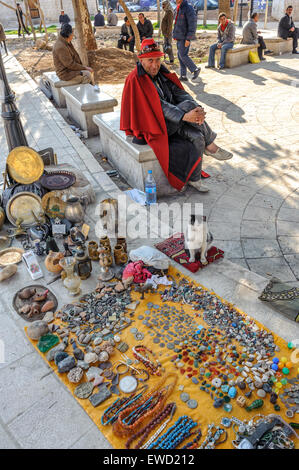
[(205, 413)]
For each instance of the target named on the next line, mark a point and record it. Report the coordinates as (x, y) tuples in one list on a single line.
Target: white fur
[(196, 239)]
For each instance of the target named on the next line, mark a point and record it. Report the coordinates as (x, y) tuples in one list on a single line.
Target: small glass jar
[(71, 280)]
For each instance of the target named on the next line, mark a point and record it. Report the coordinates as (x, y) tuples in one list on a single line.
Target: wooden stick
[(235, 14), (30, 19), (20, 22), (266, 14), (9, 6), (205, 11), (36, 3)]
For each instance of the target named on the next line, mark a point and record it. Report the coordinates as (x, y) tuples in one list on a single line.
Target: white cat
[(198, 238)]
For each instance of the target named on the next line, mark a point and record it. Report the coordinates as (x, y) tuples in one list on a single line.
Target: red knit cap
[(149, 48)]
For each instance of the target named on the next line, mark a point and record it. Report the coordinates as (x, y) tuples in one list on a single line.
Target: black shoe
[(295, 52), (196, 73), (183, 79), (210, 66), (262, 58), (268, 52)]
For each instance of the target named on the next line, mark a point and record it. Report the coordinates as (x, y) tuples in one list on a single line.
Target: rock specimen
[(66, 364), (8, 272), (75, 375), (37, 329), (90, 357)]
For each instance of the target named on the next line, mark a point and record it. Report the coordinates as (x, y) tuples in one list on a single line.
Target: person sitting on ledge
[(157, 111), (226, 38), (67, 62), (252, 36), (99, 19), (286, 28)]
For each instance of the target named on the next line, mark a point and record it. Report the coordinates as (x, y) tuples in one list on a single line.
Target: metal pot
[(74, 212)]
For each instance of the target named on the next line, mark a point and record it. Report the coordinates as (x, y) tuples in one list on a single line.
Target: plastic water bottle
[(150, 189)]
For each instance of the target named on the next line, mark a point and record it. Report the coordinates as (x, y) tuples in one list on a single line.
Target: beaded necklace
[(144, 432), (141, 411), (175, 435), (111, 413), (144, 358), (193, 444)]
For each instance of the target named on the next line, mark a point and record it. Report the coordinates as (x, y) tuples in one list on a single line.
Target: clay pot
[(93, 251), (123, 243), (105, 242), (52, 262), (120, 256)]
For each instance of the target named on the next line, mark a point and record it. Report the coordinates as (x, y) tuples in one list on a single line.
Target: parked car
[(199, 5)]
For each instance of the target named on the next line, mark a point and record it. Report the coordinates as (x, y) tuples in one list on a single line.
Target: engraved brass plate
[(11, 256), (25, 165), (22, 207)]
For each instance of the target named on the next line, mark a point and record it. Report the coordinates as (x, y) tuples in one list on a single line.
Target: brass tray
[(53, 205), (22, 206), (10, 256), (24, 165)]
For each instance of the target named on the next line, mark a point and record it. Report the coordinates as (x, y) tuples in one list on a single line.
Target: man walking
[(19, 13), (286, 28), (166, 27), (145, 27), (251, 35), (184, 31), (226, 39)]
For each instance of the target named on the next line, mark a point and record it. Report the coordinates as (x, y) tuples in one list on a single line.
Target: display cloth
[(156, 308)]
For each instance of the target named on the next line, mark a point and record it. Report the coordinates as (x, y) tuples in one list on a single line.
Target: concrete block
[(56, 84), (131, 160), (279, 45), (83, 102), (238, 55)]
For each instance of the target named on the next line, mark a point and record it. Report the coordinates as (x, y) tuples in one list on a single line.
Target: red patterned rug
[(174, 248)]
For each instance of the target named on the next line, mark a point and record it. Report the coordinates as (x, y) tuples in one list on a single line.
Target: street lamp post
[(241, 19), (14, 132)]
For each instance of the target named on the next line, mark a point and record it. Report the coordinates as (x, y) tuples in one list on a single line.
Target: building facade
[(51, 10)]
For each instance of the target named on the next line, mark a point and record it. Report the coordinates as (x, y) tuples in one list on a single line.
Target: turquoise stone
[(227, 407), (47, 342), (225, 388)]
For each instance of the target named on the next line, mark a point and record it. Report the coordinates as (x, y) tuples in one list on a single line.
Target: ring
[(121, 365)]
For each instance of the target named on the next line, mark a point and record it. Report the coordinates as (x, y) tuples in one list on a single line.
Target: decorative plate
[(25, 165), (24, 206), (58, 180), (18, 303), (53, 205), (11, 256)]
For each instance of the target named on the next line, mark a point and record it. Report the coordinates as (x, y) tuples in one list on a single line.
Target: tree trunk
[(30, 19), (159, 16), (224, 7), (79, 33), (132, 23), (83, 17), (235, 16), (205, 12), (42, 18)]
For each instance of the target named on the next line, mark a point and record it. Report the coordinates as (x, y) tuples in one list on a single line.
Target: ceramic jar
[(93, 250), (52, 262), (120, 257), (123, 243), (105, 242), (74, 211)]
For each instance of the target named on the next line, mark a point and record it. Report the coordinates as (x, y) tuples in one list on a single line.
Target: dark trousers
[(22, 26), (295, 36), (122, 42), (3, 44), (262, 46), (185, 61)]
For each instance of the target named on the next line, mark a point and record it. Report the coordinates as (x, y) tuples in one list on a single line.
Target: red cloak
[(142, 116)]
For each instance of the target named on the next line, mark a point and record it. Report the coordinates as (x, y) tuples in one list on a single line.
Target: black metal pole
[(15, 135), (241, 11)]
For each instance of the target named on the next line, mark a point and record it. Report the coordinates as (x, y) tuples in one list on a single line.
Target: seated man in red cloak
[(157, 110)]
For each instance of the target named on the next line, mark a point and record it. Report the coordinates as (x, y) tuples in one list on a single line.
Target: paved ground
[(36, 410)]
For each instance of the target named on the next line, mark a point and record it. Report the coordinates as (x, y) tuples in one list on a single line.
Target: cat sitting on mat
[(198, 239)]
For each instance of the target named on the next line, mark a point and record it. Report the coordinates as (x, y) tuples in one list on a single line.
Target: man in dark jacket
[(126, 35), (286, 28), (19, 13), (145, 27), (166, 27), (64, 18), (99, 19), (158, 111), (184, 31)]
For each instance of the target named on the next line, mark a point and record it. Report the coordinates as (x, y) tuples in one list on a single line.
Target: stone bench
[(278, 45), (56, 85), (83, 102), (131, 160), (238, 55)]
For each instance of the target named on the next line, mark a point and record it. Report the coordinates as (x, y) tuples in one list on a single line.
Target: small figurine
[(104, 260)]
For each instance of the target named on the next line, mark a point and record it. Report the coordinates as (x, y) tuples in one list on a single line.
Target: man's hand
[(292, 29), (219, 45), (130, 38), (187, 43), (196, 115)]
